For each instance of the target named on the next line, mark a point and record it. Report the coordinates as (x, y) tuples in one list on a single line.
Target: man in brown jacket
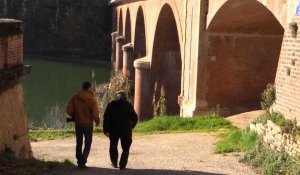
[(84, 111)]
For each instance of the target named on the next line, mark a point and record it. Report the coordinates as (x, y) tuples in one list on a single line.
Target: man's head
[(121, 95), (86, 85)]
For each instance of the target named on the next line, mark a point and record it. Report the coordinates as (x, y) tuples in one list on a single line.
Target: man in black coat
[(118, 121)]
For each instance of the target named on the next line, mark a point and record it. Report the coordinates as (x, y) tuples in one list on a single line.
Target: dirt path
[(162, 154), (242, 120)]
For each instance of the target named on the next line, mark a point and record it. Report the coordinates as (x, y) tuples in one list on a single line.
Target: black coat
[(119, 116)]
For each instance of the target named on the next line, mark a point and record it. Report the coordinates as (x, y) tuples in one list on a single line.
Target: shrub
[(293, 26), (269, 162), (268, 97), (107, 92), (287, 126), (290, 127), (275, 117)]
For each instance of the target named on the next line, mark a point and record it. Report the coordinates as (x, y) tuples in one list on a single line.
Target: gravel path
[(161, 154)]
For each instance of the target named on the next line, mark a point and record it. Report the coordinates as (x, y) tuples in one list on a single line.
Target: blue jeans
[(87, 132)]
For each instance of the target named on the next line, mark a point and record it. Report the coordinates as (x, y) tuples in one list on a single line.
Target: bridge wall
[(288, 76), (230, 50), (187, 17)]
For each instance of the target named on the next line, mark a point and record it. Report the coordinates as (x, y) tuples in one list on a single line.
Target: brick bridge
[(203, 55)]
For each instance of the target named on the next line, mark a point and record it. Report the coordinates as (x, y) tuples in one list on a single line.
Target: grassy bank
[(180, 124), (40, 135), (264, 160), (52, 134), (155, 125), (269, 162), (237, 140), (13, 166)]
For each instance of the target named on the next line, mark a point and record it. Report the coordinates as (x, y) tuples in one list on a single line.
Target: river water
[(52, 83)]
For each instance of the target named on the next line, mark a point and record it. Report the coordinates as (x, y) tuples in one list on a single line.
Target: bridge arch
[(244, 47), (128, 27), (120, 23), (140, 35), (166, 62), (277, 8)]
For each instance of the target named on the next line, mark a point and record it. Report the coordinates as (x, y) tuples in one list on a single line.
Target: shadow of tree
[(106, 171)]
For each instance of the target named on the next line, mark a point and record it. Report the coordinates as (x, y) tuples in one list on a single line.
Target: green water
[(52, 83)]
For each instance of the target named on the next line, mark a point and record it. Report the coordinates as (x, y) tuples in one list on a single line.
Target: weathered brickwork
[(15, 49), (13, 117), (274, 138), (288, 76)]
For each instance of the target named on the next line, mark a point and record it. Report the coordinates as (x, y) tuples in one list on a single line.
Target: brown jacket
[(83, 109)]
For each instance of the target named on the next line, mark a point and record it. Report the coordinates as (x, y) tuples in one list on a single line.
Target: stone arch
[(128, 27), (120, 23), (277, 8), (140, 35), (244, 47), (166, 62)]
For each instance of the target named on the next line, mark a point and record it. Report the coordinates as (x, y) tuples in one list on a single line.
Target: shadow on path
[(106, 171)]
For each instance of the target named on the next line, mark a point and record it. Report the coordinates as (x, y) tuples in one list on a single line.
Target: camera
[(69, 119)]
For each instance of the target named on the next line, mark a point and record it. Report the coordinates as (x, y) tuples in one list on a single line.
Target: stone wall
[(13, 117), (13, 123), (273, 136)]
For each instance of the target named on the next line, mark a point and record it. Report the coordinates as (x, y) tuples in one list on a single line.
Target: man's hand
[(107, 134)]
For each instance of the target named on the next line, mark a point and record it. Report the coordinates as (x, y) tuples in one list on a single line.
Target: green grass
[(269, 162), (155, 125), (237, 140), (10, 165), (179, 124), (40, 135), (53, 134)]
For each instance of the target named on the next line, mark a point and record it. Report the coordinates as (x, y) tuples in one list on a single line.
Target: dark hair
[(86, 85)]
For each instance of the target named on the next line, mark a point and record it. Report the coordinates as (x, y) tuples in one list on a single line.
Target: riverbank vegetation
[(9, 165)]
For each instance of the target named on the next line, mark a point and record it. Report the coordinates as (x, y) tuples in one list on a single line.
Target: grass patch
[(179, 124), (53, 134), (12, 166), (237, 140), (156, 125), (40, 135), (269, 162)]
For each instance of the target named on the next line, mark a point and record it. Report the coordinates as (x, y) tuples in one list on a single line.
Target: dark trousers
[(126, 140), (87, 132)]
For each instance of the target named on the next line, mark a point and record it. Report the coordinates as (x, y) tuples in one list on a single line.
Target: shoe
[(82, 167), (122, 168), (114, 165)]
